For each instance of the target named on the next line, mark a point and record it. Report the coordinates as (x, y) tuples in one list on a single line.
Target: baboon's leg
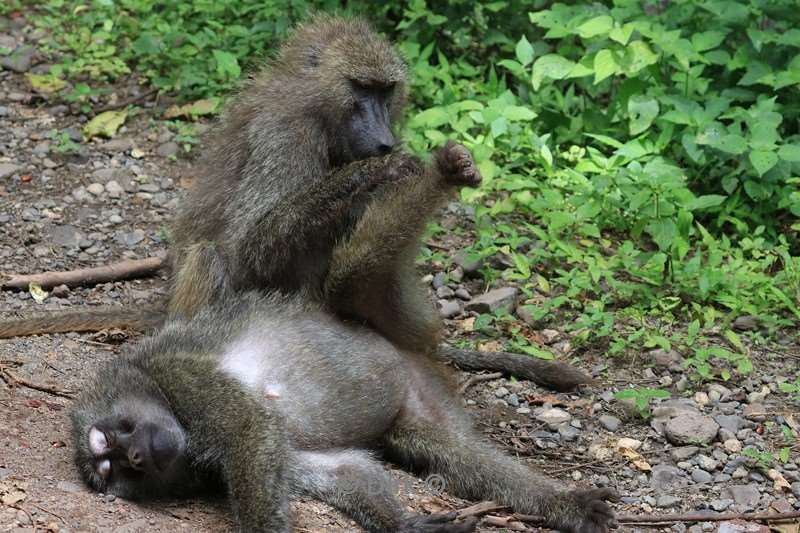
[(471, 468), (203, 278), (359, 486)]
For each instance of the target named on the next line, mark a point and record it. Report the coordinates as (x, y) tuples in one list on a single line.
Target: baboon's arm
[(232, 433), (93, 319)]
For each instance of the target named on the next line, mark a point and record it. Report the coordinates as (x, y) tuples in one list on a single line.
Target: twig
[(506, 522), (132, 268), (573, 467), (480, 509), (478, 378), (30, 517), (14, 380), (126, 102), (49, 512)]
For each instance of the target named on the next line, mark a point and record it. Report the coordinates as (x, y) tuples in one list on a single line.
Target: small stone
[(631, 444), (666, 476), (67, 486), (30, 214), (439, 280), (754, 411), (19, 60), (66, 235), (701, 398), (691, 428), (444, 292), (553, 417), (732, 423), (468, 264), (7, 170), (683, 453), (115, 219), (501, 392), (117, 145), (707, 463), (665, 358), (568, 433), (744, 495), (114, 189), (611, 423), (463, 294), (732, 445), (96, 189), (60, 291), (168, 149), (665, 501), (745, 323), (449, 308), (721, 504), (489, 302), (130, 239), (796, 489), (701, 476), (740, 473), (512, 400), (524, 411)]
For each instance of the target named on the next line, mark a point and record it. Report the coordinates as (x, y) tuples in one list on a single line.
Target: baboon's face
[(134, 449), (368, 128)]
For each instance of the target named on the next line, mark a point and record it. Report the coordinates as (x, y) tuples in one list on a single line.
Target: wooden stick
[(126, 102), (478, 378), (676, 518), (14, 380), (479, 509), (132, 268)]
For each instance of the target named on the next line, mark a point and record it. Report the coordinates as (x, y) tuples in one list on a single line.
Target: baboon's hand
[(402, 166), (585, 511), (437, 523), (457, 166)]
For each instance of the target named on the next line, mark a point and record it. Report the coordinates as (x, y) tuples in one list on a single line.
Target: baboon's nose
[(385, 147)]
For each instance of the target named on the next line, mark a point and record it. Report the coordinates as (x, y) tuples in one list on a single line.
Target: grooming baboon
[(293, 174), (272, 395)]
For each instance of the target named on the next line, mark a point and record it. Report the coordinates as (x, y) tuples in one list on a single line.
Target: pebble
[(439, 280), (665, 476), (512, 400), (744, 495), (691, 428), (611, 423), (114, 189), (489, 302), (683, 453), (701, 476), (706, 463), (501, 392), (568, 433), (720, 504), (553, 417), (732, 445), (96, 189), (19, 60), (667, 501), (449, 308), (168, 149), (463, 294), (444, 292), (8, 170)]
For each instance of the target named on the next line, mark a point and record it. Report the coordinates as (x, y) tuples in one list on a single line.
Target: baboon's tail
[(145, 318)]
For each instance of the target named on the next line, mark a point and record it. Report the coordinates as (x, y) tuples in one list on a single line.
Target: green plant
[(641, 398)]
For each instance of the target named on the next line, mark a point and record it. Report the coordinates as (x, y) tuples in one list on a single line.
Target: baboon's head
[(355, 82)]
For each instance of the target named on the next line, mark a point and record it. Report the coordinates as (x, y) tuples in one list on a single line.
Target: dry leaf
[(45, 83), (105, 124), (635, 458), (490, 346), (466, 325), (39, 294), (11, 493), (778, 481)]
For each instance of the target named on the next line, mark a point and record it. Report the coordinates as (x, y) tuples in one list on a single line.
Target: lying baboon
[(270, 395)]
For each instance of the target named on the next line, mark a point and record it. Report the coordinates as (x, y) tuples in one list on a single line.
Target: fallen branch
[(480, 509), (478, 378), (551, 374), (14, 380), (126, 102), (132, 268)]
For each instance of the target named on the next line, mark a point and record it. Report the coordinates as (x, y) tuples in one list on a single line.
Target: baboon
[(296, 172), (271, 395)]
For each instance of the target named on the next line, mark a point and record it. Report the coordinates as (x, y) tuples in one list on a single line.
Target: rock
[(568, 433), (746, 323), (117, 145), (754, 411), (732, 445), (512, 400), (449, 308), (701, 398), (66, 235), (60, 291), (96, 189), (744, 495), (691, 428), (611, 423), (631, 444), (665, 358), (445, 292), (130, 239), (666, 476), (550, 335), (501, 392), (67, 486), (707, 463), (718, 392), (439, 280), (7, 170), (30, 214), (732, 423), (463, 294), (683, 453), (489, 302), (721, 504), (796, 489), (469, 266), (701, 476), (553, 417), (758, 396), (667, 501), (168, 149), (19, 60), (671, 408), (114, 189)]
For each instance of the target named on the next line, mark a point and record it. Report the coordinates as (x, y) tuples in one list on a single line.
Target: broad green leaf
[(560, 219), (518, 113), (621, 34), (763, 160), (432, 118), (550, 66), (105, 124), (663, 231), (227, 64), (596, 26), (524, 51), (705, 201), (198, 108), (604, 65), (790, 152), (638, 55), (707, 40), (535, 351), (643, 111), (499, 126), (731, 144)]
